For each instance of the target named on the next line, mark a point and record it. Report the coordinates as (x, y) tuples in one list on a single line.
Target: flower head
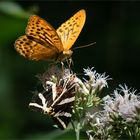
[(65, 96), (120, 115), (87, 91), (95, 81), (125, 103)]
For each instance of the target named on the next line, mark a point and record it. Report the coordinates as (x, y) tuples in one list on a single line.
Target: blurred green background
[(114, 26)]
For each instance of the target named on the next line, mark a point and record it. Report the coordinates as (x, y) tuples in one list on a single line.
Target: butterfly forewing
[(42, 32), (33, 50), (70, 30)]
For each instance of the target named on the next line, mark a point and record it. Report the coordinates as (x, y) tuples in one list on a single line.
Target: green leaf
[(12, 8)]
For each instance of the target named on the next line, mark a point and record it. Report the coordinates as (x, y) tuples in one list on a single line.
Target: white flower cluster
[(125, 103), (87, 93), (95, 81), (120, 116)]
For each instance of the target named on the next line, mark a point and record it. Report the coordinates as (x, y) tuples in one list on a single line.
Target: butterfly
[(58, 97), (42, 42)]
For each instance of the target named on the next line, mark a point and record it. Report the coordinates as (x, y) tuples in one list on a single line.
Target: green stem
[(77, 131)]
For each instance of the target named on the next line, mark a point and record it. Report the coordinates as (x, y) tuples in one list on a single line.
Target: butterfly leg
[(62, 66), (69, 62)]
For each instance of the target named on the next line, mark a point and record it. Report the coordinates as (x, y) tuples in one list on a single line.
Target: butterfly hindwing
[(33, 50)]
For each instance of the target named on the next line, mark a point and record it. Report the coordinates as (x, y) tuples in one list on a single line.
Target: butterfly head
[(66, 54)]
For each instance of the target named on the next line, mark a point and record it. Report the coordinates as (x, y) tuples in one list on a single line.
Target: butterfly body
[(64, 55), (43, 42)]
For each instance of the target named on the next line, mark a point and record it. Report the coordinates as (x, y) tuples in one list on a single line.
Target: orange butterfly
[(43, 42)]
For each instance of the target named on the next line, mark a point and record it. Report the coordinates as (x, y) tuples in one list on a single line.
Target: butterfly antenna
[(84, 46)]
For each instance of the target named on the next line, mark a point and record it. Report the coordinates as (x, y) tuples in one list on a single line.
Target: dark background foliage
[(114, 26)]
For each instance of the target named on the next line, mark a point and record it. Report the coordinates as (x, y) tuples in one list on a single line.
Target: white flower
[(120, 116), (124, 103), (95, 81), (101, 80), (91, 74)]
